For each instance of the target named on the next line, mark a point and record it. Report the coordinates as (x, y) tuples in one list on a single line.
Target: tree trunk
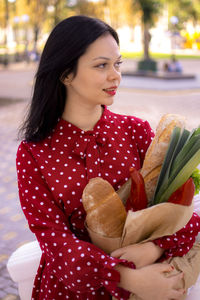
[(36, 34), (146, 41)]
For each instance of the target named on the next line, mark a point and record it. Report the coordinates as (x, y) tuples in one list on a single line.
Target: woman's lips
[(111, 91)]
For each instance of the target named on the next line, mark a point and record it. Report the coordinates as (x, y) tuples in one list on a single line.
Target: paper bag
[(189, 264), (152, 223), (147, 224)]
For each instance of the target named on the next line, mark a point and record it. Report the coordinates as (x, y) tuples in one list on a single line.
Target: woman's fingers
[(176, 278), (177, 294), (164, 267), (119, 252)]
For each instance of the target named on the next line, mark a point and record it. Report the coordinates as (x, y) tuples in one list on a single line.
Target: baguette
[(105, 211), (156, 152)]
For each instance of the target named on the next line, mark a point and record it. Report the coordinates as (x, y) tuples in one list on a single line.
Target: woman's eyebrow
[(103, 57)]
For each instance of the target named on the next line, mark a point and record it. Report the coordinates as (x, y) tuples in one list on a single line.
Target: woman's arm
[(165, 247), (81, 266), (141, 254)]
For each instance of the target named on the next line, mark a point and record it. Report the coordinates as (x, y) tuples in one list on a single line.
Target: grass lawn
[(158, 55)]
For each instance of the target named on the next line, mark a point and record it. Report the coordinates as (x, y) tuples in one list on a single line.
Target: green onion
[(164, 173), (181, 159)]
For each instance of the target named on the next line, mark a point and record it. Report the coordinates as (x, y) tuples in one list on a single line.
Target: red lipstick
[(111, 90)]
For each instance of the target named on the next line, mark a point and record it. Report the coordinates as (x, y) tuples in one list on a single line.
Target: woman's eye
[(101, 66), (118, 64)]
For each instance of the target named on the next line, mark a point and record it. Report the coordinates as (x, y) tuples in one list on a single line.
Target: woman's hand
[(150, 282), (140, 254), (154, 285)]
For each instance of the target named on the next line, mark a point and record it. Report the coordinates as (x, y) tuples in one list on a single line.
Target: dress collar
[(66, 132)]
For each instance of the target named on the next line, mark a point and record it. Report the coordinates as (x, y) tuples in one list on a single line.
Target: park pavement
[(134, 97)]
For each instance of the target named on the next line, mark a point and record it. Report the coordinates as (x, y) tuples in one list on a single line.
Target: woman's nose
[(114, 74)]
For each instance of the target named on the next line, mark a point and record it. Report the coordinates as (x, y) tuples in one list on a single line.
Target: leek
[(181, 159)]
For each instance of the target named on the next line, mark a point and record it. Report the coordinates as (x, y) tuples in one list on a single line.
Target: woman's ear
[(66, 79)]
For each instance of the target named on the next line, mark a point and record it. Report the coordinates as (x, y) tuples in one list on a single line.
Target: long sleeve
[(79, 265), (182, 241), (51, 177)]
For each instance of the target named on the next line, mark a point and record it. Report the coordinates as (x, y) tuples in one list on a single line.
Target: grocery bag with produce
[(156, 201)]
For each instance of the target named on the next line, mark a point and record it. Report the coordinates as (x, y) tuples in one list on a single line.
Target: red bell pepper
[(137, 199), (184, 194)]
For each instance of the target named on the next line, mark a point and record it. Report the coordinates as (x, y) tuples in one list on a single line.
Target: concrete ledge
[(160, 75)]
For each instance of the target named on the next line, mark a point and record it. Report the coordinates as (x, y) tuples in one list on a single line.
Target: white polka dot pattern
[(182, 241), (51, 178)]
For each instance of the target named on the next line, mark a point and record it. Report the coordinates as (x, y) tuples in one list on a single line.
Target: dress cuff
[(111, 278)]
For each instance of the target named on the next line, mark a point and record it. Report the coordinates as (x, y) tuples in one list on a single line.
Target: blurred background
[(161, 27), (160, 45)]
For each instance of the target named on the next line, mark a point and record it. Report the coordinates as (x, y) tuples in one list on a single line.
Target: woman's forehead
[(105, 47)]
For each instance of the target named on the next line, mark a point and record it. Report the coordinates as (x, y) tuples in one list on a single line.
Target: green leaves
[(181, 159), (196, 178), (150, 9)]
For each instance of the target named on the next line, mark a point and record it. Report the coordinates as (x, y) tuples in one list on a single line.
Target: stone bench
[(160, 75)]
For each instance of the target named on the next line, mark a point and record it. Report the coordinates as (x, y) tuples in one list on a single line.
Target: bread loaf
[(106, 213), (156, 152)]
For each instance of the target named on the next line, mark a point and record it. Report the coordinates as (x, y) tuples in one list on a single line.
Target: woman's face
[(98, 74)]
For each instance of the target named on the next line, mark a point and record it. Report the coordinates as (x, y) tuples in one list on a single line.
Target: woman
[(69, 137)]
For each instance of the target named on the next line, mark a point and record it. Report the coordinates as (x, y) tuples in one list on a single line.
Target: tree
[(187, 10), (149, 10), (89, 8), (38, 14), (7, 9), (57, 11), (119, 13)]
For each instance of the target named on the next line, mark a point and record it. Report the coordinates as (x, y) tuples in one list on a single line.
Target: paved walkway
[(146, 98)]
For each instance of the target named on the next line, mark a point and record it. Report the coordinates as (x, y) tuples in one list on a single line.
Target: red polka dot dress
[(51, 177)]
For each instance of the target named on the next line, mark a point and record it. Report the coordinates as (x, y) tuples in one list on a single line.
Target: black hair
[(66, 43)]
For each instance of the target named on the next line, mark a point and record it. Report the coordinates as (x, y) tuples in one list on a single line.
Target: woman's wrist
[(156, 250), (128, 277)]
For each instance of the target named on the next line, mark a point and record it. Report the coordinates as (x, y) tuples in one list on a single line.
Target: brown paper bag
[(188, 264), (147, 224), (151, 223)]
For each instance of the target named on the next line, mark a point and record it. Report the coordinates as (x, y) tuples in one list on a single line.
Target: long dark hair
[(66, 43)]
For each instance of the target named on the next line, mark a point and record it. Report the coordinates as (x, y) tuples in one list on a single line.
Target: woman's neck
[(84, 117)]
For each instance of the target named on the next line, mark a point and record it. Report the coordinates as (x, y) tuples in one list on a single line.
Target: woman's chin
[(109, 101)]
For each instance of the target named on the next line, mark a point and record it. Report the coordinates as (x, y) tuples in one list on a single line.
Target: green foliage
[(138, 55), (185, 10), (117, 13), (196, 178), (150, 9)]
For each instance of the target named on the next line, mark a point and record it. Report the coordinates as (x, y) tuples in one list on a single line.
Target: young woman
[(69, 137)]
